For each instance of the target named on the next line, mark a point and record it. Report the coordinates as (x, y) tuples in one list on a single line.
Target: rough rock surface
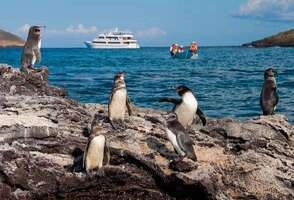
[(251, 159), (283, 39), (12, 82)]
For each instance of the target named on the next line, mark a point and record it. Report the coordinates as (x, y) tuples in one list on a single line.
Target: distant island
[(10, 40), (283, 39)]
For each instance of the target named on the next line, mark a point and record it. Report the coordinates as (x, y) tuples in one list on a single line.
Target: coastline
[(40, 128)]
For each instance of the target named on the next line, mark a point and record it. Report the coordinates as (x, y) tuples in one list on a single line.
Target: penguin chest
[(117, 107), (173, 139), (269, 97), (186, 110), (39, 44), (95, 153), (34, 59)]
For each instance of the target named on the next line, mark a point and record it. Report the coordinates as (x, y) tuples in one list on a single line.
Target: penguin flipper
[(276, 96), (113, 124), (128, 103), (277, 100), (260, 100), (171, 100), (201, 115), (106, 157), (85, 154)]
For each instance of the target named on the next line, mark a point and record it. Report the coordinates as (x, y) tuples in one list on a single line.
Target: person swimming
[(193, 47)]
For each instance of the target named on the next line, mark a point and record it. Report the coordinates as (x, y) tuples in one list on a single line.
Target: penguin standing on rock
[(118, 101), (269, 97), (31, 50), (96, 154), (186, 107), (180, 140)]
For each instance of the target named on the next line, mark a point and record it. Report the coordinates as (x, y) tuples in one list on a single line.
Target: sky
[(154, 22)]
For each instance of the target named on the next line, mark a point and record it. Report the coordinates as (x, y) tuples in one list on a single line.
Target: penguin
[(118, 101), (96, 154), (269, 97), (186, 107), (180, 140), (31, 50)]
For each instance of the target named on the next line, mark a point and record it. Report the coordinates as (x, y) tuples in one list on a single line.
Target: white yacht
[(114, 40)]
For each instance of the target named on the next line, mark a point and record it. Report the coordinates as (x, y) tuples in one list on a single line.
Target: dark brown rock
[(13, 82)]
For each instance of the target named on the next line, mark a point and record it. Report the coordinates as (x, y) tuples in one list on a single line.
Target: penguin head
[(182, 89), (171, 117), (35, 31), (269, 73), (172, 121), (119, 76), (119, 79)]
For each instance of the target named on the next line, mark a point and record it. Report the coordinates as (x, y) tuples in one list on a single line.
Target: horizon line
[(79, 47)]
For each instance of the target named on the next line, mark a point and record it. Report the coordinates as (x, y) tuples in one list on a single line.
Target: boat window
[(101, 37), (112, 38), (113, 42), (99, 42)]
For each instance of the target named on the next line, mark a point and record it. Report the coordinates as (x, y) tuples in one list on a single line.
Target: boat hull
[(91, 45)]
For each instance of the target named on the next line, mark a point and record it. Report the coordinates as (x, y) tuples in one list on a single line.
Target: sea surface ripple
[(226, 80)]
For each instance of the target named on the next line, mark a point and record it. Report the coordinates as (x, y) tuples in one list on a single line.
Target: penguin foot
[(178, 159), (118, 125), (182, 165), (100, 172), (113, 124)]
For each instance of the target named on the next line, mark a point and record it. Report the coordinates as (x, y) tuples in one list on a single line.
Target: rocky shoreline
[(10, 40), (40, 128), (283, 39)]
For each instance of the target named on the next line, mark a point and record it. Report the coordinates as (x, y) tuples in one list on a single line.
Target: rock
[(283, 39), (36, 83), (182, 165), (39, 133), (10, 40)]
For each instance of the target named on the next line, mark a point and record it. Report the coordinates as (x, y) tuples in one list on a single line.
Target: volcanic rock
[(283, 39), (40, 130)]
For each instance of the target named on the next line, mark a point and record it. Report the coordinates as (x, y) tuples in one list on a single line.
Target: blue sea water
[(226, 80)]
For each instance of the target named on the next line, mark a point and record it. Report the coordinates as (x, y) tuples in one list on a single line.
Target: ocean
[(226, 80)]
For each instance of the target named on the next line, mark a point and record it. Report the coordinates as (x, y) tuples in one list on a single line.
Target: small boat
[(113, 40), (180, 52), (185, 55)]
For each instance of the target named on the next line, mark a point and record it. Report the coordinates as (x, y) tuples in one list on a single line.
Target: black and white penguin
[(31, 50), (269, 97), (180, 140), (118, 101), (96, 154), (186, 107)]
